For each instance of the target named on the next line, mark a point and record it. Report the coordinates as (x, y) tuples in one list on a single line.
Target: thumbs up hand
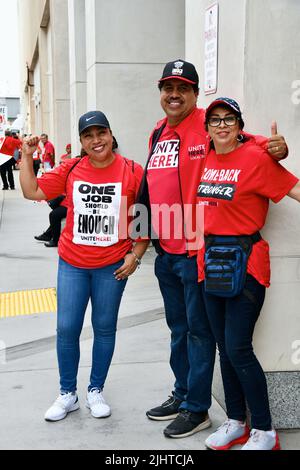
[(277, 147), (274, 128)]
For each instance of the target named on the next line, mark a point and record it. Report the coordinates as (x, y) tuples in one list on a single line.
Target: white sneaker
[(63, 405), (96, 403), (229, 434), (262, 440)]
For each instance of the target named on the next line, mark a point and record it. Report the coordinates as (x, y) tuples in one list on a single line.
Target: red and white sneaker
[(229, 434), (262, 440)]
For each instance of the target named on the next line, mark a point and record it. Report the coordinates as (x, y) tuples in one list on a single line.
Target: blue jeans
[(192, 343), (75, 287), (233, 321)]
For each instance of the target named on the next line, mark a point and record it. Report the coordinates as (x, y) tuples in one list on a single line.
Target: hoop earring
[(240, 138)]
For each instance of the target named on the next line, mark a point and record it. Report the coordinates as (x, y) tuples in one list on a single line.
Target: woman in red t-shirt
[(238, 180), (96, 252)]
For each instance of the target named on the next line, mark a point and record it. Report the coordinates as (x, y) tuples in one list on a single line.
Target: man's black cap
[(182, 70), (92, 118)]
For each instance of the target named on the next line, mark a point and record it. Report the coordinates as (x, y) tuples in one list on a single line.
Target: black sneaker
[(187, 423), (43, 238), (51, 244), (168, 410)]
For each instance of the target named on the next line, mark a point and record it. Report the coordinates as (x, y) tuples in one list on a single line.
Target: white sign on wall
[(211, 49)]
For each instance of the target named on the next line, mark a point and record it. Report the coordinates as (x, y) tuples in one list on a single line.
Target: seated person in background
[(67, 155), (59, 212)]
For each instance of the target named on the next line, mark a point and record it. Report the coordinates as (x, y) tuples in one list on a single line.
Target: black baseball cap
[(92, 118), (182, 70)]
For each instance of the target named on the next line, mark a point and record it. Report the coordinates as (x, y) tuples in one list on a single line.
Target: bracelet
[(137, 259)]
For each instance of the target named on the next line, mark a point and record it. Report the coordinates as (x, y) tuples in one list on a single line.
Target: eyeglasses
[(228, 121)]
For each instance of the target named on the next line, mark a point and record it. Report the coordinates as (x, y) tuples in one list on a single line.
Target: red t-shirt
[(9, 145), (65, 156), (96, 230), (48, 153), (164, 192), (235, 189)]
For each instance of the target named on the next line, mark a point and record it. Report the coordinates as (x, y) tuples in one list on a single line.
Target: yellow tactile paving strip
[(28, 302)]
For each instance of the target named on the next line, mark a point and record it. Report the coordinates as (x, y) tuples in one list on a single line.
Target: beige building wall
[(45, 89), (127, 45), (30, 18), (95, 54)]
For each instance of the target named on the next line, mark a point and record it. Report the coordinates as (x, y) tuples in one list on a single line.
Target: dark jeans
[(192, 343), (232, 322), (6, 171)]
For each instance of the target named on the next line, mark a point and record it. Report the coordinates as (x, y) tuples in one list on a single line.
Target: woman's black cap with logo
[(92, 118)]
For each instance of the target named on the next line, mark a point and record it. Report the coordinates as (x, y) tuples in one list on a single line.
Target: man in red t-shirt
[(48, 153)]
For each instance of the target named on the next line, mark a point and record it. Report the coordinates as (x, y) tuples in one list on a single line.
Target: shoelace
[(226, 425), (95, 396), (255, 435), (62, 399), (170, 401), (185, 414)]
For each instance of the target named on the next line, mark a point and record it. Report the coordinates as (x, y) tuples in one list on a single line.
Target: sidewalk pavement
[(139, 377)]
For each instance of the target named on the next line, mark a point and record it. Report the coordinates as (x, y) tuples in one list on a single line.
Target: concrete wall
[(31, 14), (232, 14), (105, 55), (78, 73), (60, 75), (128, 44), (45, 48), (272, 63)]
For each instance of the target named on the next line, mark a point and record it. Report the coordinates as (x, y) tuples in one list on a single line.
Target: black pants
[(36, 166), (55, 218), (6, 171), (232, 321)]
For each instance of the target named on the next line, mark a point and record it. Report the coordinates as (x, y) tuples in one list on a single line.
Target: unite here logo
[(165, 155)]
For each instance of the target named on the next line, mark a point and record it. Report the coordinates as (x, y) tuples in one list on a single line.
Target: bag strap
[(156, 136), (243, 240), (70, 170), (132, 164)]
